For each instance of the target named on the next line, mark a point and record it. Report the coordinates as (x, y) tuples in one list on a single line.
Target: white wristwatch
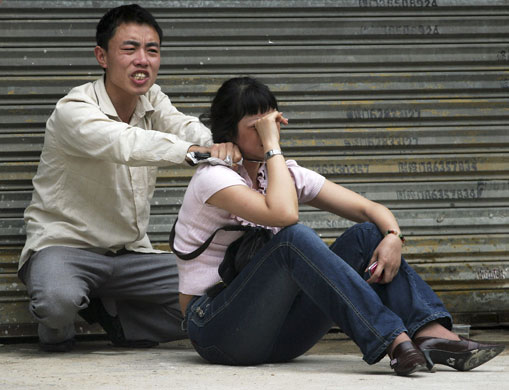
[(272, 153)]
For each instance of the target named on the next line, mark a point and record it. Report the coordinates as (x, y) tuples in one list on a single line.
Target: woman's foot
[(462, 355), (435, 329), (406, 358)]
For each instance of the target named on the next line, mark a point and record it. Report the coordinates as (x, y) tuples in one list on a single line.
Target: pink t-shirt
[(197, 220)]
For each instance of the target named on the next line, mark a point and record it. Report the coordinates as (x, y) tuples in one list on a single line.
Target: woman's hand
[(279, 205), (348, 204), (268, 128), (388, 256)]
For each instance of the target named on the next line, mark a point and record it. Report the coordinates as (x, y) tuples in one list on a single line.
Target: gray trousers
[(142, 289)]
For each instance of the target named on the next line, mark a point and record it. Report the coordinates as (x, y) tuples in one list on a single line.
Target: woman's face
[(248, 140)]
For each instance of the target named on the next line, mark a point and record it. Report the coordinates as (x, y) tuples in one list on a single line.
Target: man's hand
[(227, 151)]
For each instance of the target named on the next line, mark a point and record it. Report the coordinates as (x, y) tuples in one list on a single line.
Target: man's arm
[(167, 118), (82, 129)]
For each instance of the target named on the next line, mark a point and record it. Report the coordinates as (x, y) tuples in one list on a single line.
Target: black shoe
[(64, 346), (95, 312), (462, 355), (407, 359)]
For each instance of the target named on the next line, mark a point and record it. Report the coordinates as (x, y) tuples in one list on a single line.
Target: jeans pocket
[(196, 310)]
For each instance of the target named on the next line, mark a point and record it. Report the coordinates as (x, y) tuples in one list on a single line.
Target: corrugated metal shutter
[(403, 101)]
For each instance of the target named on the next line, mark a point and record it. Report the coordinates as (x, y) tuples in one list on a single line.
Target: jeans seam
[(253, 271), (238, 290), (374, 356), (302, 256), (428, 319), (339, 292), (382, 350)]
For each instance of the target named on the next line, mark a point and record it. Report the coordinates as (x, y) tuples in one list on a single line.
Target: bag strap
[(201, 249)]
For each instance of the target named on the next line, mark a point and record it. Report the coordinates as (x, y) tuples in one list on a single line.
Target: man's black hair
[(131, 13)]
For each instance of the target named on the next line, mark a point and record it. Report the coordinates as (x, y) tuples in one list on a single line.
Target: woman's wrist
[(270, 145), (271, 153), (395, 233)]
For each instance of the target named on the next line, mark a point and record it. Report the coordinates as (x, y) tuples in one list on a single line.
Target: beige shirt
[(97, 175)]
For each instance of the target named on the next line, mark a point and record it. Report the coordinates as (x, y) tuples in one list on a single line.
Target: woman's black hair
[(131, 13), (236, 98)]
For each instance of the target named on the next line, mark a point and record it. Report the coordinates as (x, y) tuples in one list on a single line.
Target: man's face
[(131, 61)]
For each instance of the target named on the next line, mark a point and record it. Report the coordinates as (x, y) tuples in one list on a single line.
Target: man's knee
[(57, 306)]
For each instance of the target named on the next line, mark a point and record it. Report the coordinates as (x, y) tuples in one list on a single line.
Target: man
[(87, 249)]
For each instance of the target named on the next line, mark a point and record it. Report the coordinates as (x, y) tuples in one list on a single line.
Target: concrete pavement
[(334, 363)]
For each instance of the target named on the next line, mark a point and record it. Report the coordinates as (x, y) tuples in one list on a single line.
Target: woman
[(296, 288)]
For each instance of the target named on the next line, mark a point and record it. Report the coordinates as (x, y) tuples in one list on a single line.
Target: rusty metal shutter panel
[(403, 101)]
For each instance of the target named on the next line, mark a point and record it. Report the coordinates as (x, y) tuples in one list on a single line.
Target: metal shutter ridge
[(403, 101)]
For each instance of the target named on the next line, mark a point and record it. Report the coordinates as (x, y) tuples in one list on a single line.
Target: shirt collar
[(103, 99), (261, 177)]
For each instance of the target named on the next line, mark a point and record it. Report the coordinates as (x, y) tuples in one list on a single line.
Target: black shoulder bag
[(237, 255)]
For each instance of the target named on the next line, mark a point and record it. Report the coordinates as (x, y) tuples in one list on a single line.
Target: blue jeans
[(296, 288)]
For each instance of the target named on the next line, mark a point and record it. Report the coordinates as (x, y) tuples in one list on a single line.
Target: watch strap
[(272, 153)]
